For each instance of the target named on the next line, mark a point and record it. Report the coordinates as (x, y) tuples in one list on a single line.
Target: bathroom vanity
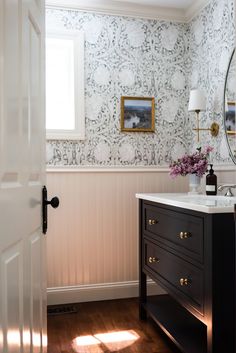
[(187, 246)]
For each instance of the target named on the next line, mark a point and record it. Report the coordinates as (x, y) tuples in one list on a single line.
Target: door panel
[(34, 91), (35, 283), (12, 296), (22, 165), (11, 88)]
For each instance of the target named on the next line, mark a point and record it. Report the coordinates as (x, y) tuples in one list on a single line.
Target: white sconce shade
[(197, 101)]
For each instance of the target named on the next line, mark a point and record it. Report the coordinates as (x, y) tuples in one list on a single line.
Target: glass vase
[(194, 184)]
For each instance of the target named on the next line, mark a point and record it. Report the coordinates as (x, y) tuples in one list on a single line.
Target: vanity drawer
[(182, 231), (181, 278)]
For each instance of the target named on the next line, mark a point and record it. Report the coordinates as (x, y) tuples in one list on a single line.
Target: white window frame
[(79, 132)]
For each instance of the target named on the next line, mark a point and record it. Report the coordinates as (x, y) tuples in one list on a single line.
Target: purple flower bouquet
[(195, 163)]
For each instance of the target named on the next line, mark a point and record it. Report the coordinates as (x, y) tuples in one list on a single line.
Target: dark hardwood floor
[(105, 327)]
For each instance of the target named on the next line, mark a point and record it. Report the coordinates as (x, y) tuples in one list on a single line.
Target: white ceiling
[(180, 4)]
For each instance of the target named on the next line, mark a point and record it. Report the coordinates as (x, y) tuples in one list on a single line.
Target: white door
[(22, 154)]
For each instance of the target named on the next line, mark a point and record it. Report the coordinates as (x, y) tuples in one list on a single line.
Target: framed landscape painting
[(137, 114)]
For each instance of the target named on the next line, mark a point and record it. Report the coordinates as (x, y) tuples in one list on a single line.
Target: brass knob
[(184, 235), (151, 222), (153, 260), (184, 282)]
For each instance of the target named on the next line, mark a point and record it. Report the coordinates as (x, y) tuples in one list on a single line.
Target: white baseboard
[(97, 292)]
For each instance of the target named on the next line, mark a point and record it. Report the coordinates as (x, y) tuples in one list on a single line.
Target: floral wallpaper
[(211, 43), (137, 57)]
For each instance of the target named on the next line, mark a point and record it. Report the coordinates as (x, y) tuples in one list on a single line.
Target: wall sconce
[(197, 103)]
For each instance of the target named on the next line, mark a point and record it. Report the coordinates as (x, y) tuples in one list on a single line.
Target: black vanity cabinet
[(191, 255)]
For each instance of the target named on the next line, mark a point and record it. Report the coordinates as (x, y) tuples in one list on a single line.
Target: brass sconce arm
[(197, 103), (214, 129)]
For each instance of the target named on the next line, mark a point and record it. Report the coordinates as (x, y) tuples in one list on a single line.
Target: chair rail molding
[(119, 169)]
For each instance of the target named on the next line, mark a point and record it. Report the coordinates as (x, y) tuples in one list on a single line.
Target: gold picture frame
[(230, 121), (137, 114)]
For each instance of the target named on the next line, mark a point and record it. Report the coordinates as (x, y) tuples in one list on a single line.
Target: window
[(65, 86)]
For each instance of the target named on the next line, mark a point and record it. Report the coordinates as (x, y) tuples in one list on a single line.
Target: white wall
[(93, 235)]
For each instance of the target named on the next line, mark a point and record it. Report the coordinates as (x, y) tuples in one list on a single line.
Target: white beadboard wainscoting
[(92, 239)]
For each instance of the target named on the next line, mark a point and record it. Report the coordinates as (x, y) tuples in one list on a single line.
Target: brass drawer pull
[(184, 235), (153, 260), (151, 222), (184, 282)]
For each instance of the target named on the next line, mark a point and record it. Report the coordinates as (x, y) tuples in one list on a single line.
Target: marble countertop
[(201, 203)]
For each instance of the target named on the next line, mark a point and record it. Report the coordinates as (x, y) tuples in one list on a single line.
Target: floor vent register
[(61, 309)]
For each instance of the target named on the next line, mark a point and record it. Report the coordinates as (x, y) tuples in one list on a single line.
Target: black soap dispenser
[(211, 182)]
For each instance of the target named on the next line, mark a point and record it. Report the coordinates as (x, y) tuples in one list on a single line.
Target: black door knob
[(54, 203)]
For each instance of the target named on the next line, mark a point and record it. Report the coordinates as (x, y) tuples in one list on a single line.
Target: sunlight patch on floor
[(113, 341), (13, 338)]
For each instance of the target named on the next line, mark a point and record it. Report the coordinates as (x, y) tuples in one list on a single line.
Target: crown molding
[(195, 8), (112, 7)]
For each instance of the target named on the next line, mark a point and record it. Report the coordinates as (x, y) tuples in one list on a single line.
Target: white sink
[(208, 197), (210, 200), (213, 201)]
